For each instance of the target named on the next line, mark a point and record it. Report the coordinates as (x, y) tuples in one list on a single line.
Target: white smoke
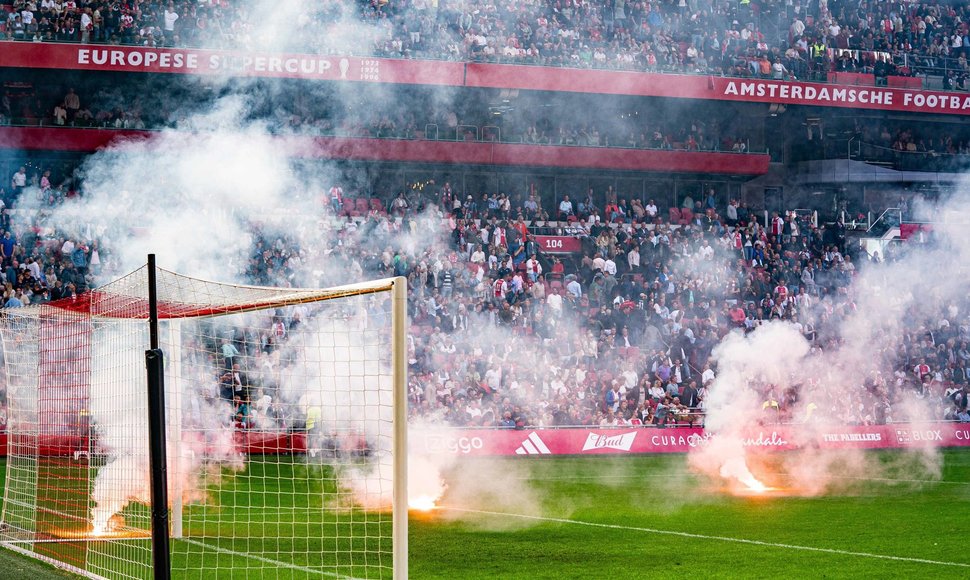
[(187, 196), (861, 333)]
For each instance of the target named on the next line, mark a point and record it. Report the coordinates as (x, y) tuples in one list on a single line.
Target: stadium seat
[(350, 207)]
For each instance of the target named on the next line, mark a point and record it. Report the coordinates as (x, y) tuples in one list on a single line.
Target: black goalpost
[(154, 363)]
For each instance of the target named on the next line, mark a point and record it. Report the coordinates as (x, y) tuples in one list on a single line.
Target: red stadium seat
[(352, 207)]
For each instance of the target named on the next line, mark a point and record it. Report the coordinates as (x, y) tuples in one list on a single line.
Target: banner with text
[(579, 441), (716, 88), (492, 442), (215, 62), (483, 75)]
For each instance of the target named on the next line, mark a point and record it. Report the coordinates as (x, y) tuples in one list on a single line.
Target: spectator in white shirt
[(565, 208), (633, 258), (609, 266)]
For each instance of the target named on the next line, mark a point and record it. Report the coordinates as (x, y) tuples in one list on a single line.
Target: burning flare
[(754, 485), (108, 525), (736, 468), (424, 503), (425, 484), (115, 530)]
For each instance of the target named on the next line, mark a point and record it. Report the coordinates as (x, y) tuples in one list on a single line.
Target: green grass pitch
[(601, 517)]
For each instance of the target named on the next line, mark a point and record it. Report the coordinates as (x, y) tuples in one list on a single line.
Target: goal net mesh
[(280, 429)]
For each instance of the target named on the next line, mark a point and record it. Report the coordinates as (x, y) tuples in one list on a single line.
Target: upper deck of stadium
[(479, 44)]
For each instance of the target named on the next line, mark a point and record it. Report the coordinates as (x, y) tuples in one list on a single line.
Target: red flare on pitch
[(92, 534)]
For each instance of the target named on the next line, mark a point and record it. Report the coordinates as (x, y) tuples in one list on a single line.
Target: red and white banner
[(215, 62), (716, 88), (492, 442), (483, 75), (536, 442), (559, 244)]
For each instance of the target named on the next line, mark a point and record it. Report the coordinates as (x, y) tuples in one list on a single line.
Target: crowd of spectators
[(902, 145), (750, 38), (505, 335), (904, 136), (115, 107), (38, 266), (621, 334)]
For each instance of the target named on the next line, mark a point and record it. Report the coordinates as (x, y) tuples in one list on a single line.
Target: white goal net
[(285, 430)]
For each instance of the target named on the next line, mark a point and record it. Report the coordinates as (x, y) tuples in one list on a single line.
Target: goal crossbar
[(127, 297)]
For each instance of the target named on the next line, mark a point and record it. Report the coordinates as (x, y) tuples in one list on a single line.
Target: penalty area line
[(715, 538), (266, 560)]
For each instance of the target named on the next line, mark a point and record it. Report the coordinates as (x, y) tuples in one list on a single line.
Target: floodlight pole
[(155, 366)]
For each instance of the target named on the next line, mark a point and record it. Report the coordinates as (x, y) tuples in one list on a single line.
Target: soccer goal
[(285, 430)]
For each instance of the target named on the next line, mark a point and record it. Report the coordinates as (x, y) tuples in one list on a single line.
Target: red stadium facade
[(853, 94), (444, 152), (779, 124)]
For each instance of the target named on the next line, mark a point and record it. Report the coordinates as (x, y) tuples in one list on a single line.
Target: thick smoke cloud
[(186, 196), (851, 373)]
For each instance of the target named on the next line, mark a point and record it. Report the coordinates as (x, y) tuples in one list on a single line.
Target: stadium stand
[(654, 287), (653, 295)]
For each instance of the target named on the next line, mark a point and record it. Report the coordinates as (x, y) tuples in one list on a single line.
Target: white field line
[(268, 560), (715, 538), (899, 480), (688, 473), (53, 562)]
